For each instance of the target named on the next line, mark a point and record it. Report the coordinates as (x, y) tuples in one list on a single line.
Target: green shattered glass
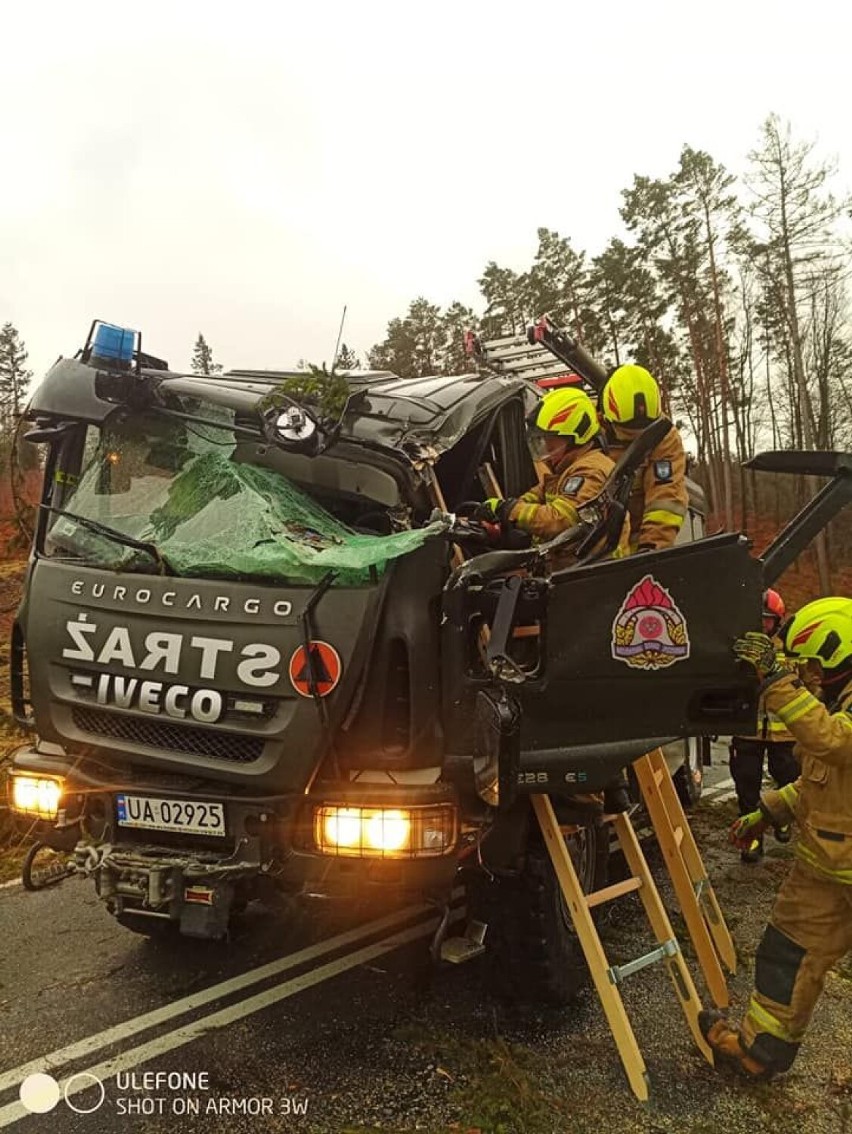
[(272, 527), (178, 486)]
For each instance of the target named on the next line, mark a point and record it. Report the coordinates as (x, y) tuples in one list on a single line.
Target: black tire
[(45, 867), (533, 953), (689, 778)]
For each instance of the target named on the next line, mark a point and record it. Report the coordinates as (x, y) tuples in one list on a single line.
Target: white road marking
[(9, 885), (723, 787), (14, 1112), (57, 1059), (724, 797)]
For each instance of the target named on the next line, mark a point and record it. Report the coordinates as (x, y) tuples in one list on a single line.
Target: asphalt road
[(278, 1029)]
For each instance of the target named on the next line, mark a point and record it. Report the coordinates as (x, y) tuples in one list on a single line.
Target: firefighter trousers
[(747, 755), (809, 931)]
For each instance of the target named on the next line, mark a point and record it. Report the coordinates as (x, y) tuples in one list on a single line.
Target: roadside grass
[(496, 1085)]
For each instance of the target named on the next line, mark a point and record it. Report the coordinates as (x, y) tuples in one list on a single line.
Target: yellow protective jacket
[(658, 502), (551, 506), (820, 801), (770, 727)]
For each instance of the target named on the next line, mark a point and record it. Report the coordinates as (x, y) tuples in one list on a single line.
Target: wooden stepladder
[(606, 977), (704, 920)]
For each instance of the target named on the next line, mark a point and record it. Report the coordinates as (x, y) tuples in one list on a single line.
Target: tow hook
[(89, 858)]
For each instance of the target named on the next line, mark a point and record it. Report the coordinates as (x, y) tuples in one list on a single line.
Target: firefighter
[(629, 402), (564, 434), (773, 740), (810, 928)]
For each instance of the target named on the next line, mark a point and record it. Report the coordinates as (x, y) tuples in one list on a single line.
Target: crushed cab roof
[(413, 415)]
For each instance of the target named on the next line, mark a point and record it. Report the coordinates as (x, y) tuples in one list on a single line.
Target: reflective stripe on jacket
[(551, 506), (770, 727), (659, 501), (820, 801)]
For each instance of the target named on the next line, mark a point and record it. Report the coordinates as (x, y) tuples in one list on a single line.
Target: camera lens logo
[(40, 1093)]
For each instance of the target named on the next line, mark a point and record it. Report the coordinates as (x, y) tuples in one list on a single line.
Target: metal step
[(457, 950)]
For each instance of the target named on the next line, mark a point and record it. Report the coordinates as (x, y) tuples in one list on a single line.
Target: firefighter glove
[(747, 828), (494, 511), (492, 530), (759, 651)]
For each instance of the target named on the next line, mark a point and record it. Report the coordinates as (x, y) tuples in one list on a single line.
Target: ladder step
[(610, 893), (617, 973), (457, 950)]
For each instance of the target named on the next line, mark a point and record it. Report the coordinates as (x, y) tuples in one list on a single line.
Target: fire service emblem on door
[(649, 632)]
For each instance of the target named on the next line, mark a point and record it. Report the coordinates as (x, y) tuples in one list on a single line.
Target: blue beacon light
[(113, 344)]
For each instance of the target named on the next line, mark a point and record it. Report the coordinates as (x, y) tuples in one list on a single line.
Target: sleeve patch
[(573, 485), (663, 472)]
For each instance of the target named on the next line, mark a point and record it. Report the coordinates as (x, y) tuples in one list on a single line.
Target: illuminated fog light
[(385, 832), (34, 795), (341, 827)]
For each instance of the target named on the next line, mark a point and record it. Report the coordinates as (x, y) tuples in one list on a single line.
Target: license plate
[(182, 815)]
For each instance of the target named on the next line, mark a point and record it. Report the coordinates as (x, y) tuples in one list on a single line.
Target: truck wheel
[(689, 778), (44, 867), (534, 955)]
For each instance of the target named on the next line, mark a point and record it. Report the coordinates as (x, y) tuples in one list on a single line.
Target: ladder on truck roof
[(543, 354)]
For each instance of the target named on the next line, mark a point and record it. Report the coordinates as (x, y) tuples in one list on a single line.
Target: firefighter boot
[(727, 1046), (753, 852)]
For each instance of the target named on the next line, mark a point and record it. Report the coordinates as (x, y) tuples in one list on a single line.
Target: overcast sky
[(245, 169)]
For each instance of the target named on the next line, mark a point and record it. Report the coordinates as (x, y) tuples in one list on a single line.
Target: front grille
[(173, 738)]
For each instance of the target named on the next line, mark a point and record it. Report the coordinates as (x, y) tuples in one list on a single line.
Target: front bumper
[(269, 838)]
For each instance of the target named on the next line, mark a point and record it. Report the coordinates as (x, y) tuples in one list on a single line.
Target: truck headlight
[(35, 795), (384, 832)]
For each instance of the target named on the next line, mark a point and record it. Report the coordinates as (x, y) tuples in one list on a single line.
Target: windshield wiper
[(113, 534), (196, 419)]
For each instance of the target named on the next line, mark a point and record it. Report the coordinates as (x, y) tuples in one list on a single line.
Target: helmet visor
[(537, 442)]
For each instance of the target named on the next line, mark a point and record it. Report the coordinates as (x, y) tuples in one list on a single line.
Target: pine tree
[(346, 359), (456, 321), (558, 281), (412, 346), (508, 300), (14, 377), (704, 190), (396, 352), (794, 250), (202, 358)]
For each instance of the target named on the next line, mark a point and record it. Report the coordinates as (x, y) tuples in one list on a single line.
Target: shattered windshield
[(176, 485)]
